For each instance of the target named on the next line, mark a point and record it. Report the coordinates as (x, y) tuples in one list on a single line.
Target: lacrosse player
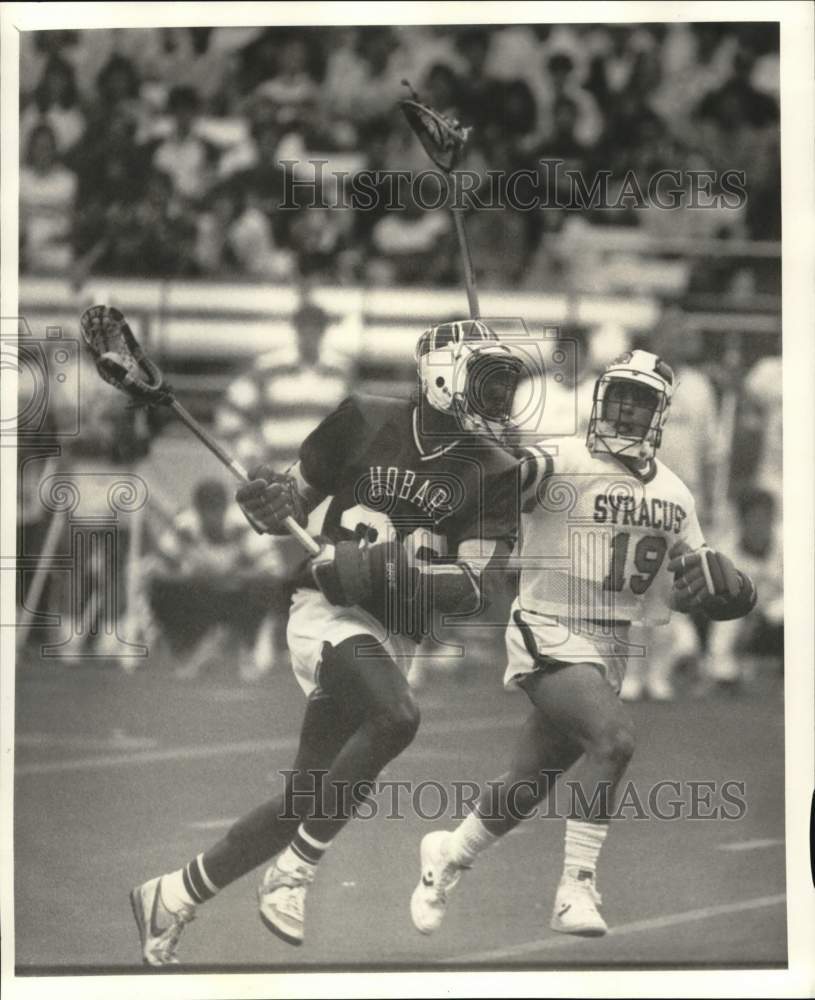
[(418, 487), (613, 541)]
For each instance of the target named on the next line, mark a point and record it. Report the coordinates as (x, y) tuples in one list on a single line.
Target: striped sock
[(303, 850), (188, 886)]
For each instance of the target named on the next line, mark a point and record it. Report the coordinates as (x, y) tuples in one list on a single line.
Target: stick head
[(443, 138), (119, 358)]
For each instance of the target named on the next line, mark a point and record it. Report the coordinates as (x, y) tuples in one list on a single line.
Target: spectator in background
[(560, 81), (147, 232), (499, 244), (110, 164), (209, 593), (696, 59), (317, 238), (518, 118), (55, 103), (501, 240), (689, 449), (738, 123), (183, 156), (613, 65), (293, 87), (269, 409), (112, 437), (235, 236), (47, 203), (756, 544), (563, 143), (37, 48), (374, 138), (617, 98), (257, 160), (259, 60), (202, 58), (737, 100), (472, 46), (441, 89), (112, 172), (762, 422), (118, 88), (359, 81), (412, 247)]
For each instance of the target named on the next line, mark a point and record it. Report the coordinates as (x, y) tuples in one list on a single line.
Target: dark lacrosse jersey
[(388, 483)]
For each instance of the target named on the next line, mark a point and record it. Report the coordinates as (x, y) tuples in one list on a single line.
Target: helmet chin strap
[(435, 421), (640, 451)]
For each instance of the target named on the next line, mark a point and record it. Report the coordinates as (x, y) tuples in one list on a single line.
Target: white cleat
[(159, 928), (282, 901), (576, 903), (439, 876)]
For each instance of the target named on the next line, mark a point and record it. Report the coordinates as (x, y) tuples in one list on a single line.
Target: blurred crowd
[(203, 590), (158, 151)]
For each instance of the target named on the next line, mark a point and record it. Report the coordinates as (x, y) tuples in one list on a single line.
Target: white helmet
[(637, 433), (465, 371)]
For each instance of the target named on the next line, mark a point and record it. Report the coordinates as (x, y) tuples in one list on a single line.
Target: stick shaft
[(207, 439), (467, 261), (237, 470)]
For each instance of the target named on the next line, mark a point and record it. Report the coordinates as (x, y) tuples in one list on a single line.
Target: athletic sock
[(583, 844), (303, 850), (188, 886), (468, 840)]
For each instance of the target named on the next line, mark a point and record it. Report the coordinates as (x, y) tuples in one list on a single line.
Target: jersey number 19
[(649, 553)]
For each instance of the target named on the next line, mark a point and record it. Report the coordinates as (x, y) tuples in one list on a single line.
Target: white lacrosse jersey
[(595, 537)]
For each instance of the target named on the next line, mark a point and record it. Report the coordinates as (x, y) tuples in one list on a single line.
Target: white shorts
[(314, 623), (531, 638)]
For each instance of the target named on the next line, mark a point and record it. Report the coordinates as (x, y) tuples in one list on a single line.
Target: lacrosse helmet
[(464, 370), (631, 402)]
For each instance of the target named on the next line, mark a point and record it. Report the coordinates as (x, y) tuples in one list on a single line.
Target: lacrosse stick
[(121, 361), (444, 139)]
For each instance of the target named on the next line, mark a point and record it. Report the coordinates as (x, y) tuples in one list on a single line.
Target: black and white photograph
[(407, 504)]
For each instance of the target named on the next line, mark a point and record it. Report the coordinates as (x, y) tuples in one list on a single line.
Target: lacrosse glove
[(268, 499)]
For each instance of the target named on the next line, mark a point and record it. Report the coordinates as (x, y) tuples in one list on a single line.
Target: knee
[(614, 744), (397, 724)]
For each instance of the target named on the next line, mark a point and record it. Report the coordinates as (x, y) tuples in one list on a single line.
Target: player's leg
[(260, 834), (578, 717), (580, 699), (388, 719), (543, 752), (162, 906)]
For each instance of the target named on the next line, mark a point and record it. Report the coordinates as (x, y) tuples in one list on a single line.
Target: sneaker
[(159, 928), (576, 903), (428, 903), (282, 901)]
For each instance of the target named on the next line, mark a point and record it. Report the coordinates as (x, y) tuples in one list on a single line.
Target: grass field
[(119, 778)]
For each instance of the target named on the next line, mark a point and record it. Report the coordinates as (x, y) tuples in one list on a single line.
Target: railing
[(188, 321)]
